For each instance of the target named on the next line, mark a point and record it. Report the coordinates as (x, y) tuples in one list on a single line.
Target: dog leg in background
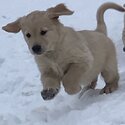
[(123, 33)]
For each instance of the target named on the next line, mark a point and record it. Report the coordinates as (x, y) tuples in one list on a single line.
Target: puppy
[(63, 55)]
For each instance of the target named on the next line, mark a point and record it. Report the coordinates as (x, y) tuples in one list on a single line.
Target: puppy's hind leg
[(111, 76)]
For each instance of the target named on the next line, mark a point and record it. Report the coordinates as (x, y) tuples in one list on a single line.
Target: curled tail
[(101, 26)]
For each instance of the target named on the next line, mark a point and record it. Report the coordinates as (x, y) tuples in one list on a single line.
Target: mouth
[(38, 53)]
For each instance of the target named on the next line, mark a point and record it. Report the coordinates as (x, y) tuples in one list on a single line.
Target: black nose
[(124, 49), (37, 49)]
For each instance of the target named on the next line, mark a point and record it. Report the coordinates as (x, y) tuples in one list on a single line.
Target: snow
[(20, 100)]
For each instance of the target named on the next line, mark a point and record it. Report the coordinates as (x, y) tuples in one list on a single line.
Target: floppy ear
[(13, 27), (58, 10)]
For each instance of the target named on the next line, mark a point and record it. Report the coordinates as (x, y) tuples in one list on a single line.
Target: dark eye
[(43, 32), (28, 35)]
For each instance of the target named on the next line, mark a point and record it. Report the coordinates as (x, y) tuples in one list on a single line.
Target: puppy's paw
[(73, 89), (49, 94), (109, 88)]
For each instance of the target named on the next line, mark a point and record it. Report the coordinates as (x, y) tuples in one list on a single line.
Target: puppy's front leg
[(71, 80), (51, 85)]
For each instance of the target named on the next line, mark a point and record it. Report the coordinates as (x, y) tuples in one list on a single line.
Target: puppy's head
[(40, 28)]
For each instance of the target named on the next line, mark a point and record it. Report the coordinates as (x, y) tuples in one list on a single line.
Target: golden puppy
[(75, 58)]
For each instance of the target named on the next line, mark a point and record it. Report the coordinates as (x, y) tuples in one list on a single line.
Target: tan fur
[(71, 57), (55, 12)]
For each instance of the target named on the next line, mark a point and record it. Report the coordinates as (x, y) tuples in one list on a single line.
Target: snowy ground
[(20, 100)]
